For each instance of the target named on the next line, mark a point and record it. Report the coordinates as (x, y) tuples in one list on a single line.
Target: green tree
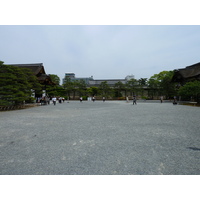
[(55, 79), (104, 89), (142, 81), (132, 86), (161, 84), (68, 86), (81, 87), (190, 90), (16, 85), (92, 91), (55, 90), (118, 88)]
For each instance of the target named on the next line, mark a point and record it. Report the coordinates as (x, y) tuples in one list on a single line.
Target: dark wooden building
[(189, 73), (39, 71)]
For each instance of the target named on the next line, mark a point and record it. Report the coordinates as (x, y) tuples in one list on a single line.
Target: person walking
[(175, 101), (161, 99), (104, 99), (134, 100), (93, 99), (60, 100), (54, 100), (127, 100), (81, 99)]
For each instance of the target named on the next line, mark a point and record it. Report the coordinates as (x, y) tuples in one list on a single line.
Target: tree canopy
[(161, 83), (16, 85), (190, 90)]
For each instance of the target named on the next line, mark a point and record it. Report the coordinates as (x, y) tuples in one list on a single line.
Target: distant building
[(129, 77), (91, 82), (74, 78), (110, 82)]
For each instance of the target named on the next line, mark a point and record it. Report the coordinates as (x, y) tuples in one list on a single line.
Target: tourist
[(127, 100), (93, 99), (161, 99), (54, 100), (60, 99), (81, 99), (175, 101), (134, 100)]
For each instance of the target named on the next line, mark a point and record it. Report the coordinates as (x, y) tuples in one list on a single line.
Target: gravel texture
[(96, 138)]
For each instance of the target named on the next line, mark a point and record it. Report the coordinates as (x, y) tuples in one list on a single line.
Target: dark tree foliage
[(118, 88), (161, 84), (104, 89), (16, 85), (132, 86), (55, 90), (190, 90)]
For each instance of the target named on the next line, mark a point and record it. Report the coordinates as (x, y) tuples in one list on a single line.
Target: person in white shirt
[(81, 99), (54, 100)]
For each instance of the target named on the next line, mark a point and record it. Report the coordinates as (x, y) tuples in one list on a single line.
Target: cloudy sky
[(101, 51)]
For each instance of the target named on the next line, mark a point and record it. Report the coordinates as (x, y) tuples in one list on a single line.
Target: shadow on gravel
[(193, 148)]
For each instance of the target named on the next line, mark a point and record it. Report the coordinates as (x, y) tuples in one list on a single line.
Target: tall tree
[(104, 89), (93, 91), (55, 79), (68, 86), (160, 84), (16, 85), (81, 87), (132, 86), (142, 81), (55, 90), (119, 87), (190, 90)]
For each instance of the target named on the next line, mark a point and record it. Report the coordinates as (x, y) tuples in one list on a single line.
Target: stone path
[(99, 138)]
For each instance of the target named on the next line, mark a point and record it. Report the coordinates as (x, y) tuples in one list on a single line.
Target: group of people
[(43, 100), (134, 100), (60, 100), (174, 101), (93, 99)]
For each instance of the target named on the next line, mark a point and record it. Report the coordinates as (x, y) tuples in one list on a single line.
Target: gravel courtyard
[(110, 138)]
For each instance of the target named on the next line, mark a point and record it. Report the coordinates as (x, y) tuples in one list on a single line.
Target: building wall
[(91, 82)]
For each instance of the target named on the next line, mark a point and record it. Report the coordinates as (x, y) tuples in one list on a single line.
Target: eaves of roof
[(189, 71), (36, 68)]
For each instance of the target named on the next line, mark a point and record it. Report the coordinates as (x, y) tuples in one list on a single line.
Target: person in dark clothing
[(134, 100), (175, 101), (93, 99)]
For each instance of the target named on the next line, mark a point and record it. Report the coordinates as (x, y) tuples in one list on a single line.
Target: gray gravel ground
[(111, 138)]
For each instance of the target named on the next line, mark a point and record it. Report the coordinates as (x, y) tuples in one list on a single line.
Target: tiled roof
[(36, 68), (189, 72)]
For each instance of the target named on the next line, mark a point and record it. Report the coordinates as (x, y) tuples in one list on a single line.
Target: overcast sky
[(100, 51)]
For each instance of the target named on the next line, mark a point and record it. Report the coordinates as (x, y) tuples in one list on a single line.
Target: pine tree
[(16, 85)]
